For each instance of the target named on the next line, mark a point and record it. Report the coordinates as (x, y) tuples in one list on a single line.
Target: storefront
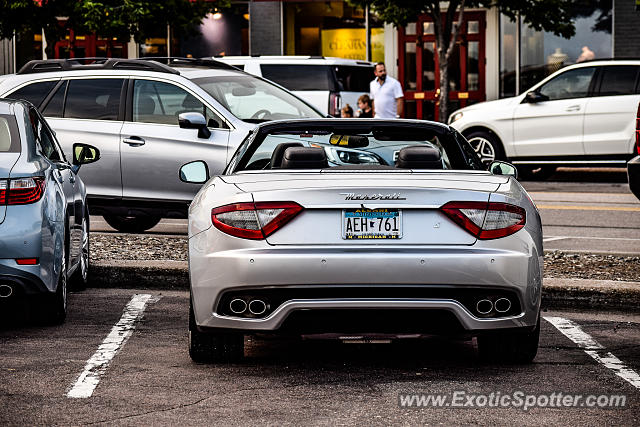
[(419, 69), (331, 29)]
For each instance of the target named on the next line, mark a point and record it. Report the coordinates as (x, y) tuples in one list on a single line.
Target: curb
[(556, 292)]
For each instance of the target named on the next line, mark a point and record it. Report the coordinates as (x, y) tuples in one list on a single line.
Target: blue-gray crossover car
[(44, 221)]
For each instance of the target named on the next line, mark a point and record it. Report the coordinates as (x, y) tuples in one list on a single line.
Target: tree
[(549, 15), (108, 18), (142, 18)]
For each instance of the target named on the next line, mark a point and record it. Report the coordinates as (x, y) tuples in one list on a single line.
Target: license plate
[(358, 224)]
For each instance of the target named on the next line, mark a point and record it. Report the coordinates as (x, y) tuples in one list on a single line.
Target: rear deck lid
[(369, 208)]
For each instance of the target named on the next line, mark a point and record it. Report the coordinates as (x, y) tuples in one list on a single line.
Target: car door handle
[(134, 141), (573, 108)]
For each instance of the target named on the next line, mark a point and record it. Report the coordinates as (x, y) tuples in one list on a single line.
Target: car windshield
[(383, 148), (254, 100)]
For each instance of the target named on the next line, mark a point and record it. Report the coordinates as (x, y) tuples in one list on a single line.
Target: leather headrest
[(304, 158), (278, 153), (417, 157)]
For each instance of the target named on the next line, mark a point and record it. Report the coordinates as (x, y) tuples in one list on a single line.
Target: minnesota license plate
[(371, 224)]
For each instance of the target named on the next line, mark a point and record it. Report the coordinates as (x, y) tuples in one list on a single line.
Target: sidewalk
[(556, 293)]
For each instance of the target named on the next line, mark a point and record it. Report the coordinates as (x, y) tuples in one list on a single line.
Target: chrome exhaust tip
[(238, 306), (257, 307), (502, 305), (484, 306), (5, 291)]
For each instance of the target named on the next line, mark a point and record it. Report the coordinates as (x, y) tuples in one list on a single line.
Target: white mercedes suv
[(581, 115)]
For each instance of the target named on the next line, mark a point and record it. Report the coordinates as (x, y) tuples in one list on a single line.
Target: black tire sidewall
[(132, 224)]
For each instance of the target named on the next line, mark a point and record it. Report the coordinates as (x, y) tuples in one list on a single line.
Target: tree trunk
[(443, 99)]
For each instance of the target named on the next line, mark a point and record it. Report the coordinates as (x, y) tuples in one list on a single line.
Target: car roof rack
[(177, 61), (77, 64)]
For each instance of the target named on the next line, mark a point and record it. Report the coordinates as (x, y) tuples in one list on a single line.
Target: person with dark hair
[(386, 93), (346, 112), (365, 108)]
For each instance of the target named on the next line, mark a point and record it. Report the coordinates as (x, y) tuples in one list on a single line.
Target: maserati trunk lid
[(381, 208)]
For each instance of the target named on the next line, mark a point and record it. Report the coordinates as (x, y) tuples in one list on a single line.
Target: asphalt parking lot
[(152, 380)]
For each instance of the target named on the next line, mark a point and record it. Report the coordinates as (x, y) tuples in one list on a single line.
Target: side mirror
[(194, 172), (84, 154), (535, 97), (503, 168), (194, 121)]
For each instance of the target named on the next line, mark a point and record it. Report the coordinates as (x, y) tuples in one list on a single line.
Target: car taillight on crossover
[(21, 191), (486, 220), (253, 220)]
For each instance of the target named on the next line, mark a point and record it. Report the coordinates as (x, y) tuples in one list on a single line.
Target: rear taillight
[(335, 103), (253, 220), (21, 191), (486, 220), (3, 191), (27, 261), (638, 131)]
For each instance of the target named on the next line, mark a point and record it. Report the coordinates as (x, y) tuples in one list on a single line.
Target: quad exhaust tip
[(238, 306), (484, 306), (502, 305), (5, 291)]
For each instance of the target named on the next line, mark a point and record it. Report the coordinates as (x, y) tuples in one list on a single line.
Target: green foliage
[(108, 18), (549, 15)]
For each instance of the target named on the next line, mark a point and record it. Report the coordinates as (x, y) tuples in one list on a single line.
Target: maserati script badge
[(354, 196)]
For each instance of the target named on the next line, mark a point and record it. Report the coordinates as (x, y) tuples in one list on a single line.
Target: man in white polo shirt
[(386, 93)]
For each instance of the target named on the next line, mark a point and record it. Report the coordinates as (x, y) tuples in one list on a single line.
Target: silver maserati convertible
[(359, 229)]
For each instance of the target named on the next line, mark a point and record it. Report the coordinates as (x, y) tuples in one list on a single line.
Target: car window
[(570, 84), (255, 100), (97, 99), (44, 140), (363, 148), (619, 80), (300, 77), (55, 106), (35, 93), (9, 139), (159, 102), (352, 78)]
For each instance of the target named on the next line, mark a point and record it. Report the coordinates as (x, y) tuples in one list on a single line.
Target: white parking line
[(594, 349), (552, 239), (120, 333)]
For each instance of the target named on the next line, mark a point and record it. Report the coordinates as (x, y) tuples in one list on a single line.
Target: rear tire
[(213, 347), (486, 145), (518, 347), (54, 307), (132, 224), (78, 281)]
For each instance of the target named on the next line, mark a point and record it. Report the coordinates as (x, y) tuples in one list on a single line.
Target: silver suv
[(148, 118)]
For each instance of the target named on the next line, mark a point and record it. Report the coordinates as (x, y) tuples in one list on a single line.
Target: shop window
[(473, 66), (410, 66), (331, 29)]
